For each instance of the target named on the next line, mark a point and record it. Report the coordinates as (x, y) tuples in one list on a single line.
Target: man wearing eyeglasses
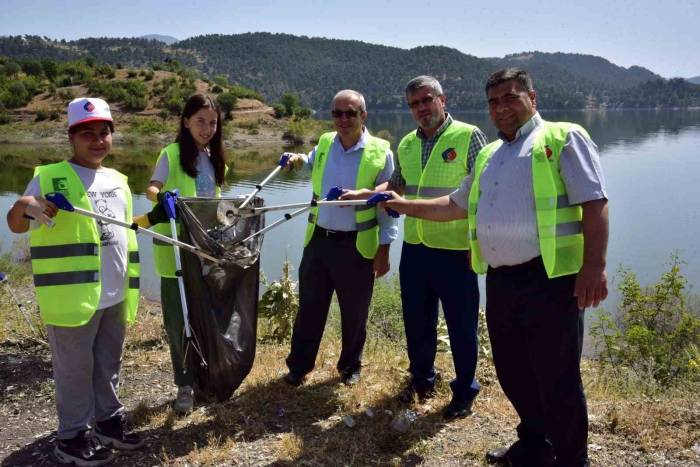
[(538, 222), (432, 161), (345, 248)]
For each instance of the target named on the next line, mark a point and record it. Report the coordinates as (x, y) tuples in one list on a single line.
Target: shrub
[(290, 102), (131, 74), (227, 102), (41, 115), (135, 103), (11, 68), (243, 92), (279, 305), (656, 334), (54, 115), (385, 319), (4, 118), (66, 95), (32, 68), (217, 89), (50, 67), (16, 95), (279, 110), (148, 126), (221, 80)]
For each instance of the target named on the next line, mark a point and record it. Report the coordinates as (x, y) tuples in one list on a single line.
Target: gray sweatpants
[(86, 363)]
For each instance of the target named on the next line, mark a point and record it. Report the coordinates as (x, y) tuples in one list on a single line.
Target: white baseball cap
[(88, 109)]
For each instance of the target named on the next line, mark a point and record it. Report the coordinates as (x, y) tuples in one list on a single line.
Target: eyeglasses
[(345, 113), (424, 101)]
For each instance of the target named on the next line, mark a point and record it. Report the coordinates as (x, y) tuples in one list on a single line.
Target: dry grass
[(323, 422)]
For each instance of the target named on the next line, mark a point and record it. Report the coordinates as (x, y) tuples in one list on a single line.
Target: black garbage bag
[(221, 298)]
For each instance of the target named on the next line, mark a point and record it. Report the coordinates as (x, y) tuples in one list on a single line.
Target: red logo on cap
[(89, 107)]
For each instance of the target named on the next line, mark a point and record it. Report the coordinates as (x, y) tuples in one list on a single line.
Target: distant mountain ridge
[(159, 37), (694, 79), (316, 68)]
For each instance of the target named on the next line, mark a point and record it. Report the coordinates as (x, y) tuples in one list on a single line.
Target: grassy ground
[(322, 422)]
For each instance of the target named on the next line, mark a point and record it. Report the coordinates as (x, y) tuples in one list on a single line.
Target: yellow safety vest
[(442, 175), (559, 223), (372, 163), (66, 259), (164, 253)]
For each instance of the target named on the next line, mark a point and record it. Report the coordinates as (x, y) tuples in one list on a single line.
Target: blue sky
[(660, 35)]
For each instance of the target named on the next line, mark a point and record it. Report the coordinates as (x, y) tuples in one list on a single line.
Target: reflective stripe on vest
[(559, 224), (371, 164), (164, 253), (66, 260), (443, 173)]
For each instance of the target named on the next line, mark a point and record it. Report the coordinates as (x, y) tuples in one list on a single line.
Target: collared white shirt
[(341, 170), (506, 216)]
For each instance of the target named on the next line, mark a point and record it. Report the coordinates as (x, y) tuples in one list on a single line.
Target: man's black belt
[(528, 266), (335, 234)]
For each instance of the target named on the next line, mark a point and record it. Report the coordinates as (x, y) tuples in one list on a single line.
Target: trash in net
[(221, 298)]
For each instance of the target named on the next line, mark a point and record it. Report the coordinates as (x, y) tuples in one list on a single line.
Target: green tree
[(290, 102), (32, 68), (227, 102), (50, 67), (12, 68)]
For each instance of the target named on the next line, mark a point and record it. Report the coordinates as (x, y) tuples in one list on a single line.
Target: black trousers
[(331, 263), (536, 331)]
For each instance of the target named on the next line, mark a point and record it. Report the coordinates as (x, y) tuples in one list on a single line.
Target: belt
[(535, 264), (335, 234)]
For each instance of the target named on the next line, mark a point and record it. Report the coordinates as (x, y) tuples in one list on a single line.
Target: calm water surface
[(651, 166)]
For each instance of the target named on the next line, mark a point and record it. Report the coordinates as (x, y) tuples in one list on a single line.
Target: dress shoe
[(498, 456), (350, 378), (410, 391), (458, 407), (522, 455), (293, 379)]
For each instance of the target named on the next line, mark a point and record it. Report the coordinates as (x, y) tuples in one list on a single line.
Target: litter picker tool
[(331, 199), (63, 204), (333, 193), (169, 200), (4, 280), (282, 163)]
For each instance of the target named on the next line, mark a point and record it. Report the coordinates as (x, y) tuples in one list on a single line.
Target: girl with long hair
[(195, 164)]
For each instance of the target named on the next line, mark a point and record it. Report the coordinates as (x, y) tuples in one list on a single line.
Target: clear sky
[(660, 35)]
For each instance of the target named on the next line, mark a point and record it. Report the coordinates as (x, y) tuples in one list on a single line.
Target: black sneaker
[(83, 450), (112, 433), (409, 392)]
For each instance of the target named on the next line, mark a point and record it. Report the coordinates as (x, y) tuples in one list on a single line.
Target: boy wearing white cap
[(86, 276)]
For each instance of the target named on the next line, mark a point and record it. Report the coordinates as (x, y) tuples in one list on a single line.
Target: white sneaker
[(184, 400)]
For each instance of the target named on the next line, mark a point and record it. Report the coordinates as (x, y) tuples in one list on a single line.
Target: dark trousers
[(536, 331), (175, 329), (331, 264), (428, 275)]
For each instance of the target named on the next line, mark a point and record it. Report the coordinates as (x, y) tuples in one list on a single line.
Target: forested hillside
[(315, 68)]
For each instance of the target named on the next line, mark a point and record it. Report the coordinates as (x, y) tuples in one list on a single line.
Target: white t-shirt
[(205, 182), (108, 199)]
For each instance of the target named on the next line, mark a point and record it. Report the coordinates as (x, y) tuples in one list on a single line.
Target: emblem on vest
[(548, 151), (60, 185), (449, 155)]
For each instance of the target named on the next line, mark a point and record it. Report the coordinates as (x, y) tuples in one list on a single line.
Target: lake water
[(650, 160)]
